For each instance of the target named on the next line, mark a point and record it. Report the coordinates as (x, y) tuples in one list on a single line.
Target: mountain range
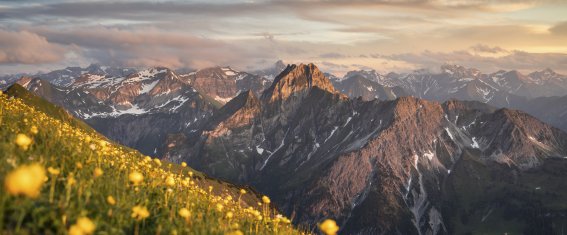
[(454, 81), (534, 93), (157, 98), (402, 166), (406, 157)]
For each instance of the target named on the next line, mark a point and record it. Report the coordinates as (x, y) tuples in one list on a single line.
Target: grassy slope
[(44, 106), (63, 142)]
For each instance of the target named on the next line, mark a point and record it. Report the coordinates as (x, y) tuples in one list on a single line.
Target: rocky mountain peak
[(370, 74), (545, 74), (408, 106), (548, 71), (297, 79), (459, 71), (24, 81), (280, 65), (238, 112), (216, 72), (514, 74), (95, 69), (244, 99)]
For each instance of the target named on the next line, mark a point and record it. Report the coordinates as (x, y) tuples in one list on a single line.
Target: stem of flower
[(2, 204), (137, 228), (20, 219), (52, 189)]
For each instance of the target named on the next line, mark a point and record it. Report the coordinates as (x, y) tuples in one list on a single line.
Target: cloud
[(152, 47), (481, 48), (332, 55), (28, 48), (268, 36), (559, 29), (515, 60), (382, 34), (332, 66), (129, 9)]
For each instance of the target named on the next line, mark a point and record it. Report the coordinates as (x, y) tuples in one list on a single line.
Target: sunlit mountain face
[(283, 117)]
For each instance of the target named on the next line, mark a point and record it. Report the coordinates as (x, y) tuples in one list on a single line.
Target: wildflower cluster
[(63, 178)]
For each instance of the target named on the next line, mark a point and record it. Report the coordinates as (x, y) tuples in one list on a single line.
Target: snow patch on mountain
[(223, 100), (148, 87)]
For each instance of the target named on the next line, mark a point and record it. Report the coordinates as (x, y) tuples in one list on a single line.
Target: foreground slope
[(406, 166), (62, 177)]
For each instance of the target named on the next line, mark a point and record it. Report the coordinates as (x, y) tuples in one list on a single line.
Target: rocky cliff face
[(296, 80), (225, 83), (379, 166)]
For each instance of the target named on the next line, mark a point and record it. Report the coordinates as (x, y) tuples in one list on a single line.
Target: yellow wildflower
[(242, 191), (185, 213), (266, 200), (329, 227), (219, 207), (25, 180), (23, 141), (53, 171), (235, 232), (34, 130), (111, 200), (183, 164), (170, 181), (140, 213), (157, 161), (98, 172), (256, 213), (71, 180), (86, 225), (75, 230), (229, 215), (136, 177), (102, 143)]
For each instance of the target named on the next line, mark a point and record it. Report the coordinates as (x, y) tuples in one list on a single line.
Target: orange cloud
[(28, 48)]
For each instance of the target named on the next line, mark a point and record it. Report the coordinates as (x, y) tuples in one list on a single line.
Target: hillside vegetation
[(60, 176)]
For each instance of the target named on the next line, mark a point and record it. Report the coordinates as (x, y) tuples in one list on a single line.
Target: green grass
[(74, 149)]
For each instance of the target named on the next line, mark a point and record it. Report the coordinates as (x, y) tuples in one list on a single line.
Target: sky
[(336, 35)]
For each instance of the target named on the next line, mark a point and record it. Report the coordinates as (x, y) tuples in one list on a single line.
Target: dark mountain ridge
[(375, 166)]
